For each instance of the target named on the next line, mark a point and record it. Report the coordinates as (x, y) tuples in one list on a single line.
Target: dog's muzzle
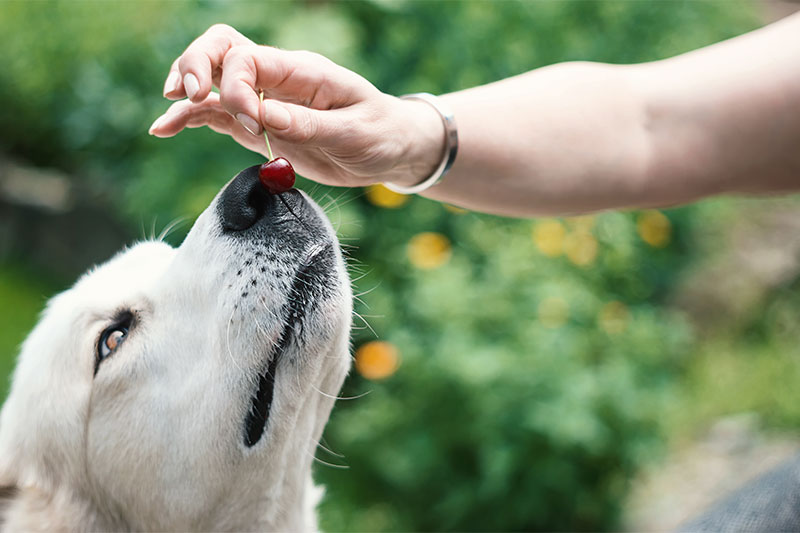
[(277, 233), (244, 202)]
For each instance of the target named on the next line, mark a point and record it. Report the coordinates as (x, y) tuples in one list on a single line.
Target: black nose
[(244, 201)]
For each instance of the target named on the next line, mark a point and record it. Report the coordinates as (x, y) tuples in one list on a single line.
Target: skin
[(564, 139)]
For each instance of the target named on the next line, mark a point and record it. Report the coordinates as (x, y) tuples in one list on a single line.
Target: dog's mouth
[(309, 286)]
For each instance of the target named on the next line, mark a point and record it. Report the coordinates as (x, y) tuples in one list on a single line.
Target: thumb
[(295, 123)]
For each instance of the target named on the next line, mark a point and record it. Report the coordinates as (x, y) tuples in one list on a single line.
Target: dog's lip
[(294, 314), (304, 282)]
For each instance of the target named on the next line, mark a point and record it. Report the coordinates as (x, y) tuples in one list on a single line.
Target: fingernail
[(172, 82), (249, 123), (191, 85), (276, 116), (156, 123)]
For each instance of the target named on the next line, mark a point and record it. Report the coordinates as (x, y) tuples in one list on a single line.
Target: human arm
[(564, 139), (580, 137)]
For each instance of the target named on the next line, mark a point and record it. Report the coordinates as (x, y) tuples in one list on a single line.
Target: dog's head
[(187, 388)]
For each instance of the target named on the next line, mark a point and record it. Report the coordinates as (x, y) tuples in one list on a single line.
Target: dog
[(185, 389)]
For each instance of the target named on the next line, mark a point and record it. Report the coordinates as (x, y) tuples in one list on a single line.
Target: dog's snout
[(244, 201)]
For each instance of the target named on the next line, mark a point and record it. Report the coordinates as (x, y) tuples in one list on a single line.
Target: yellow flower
[(548, 235), (553, 312), (383, 197), (613, 317), (654, 228), (580, 248), (455, 210), (377, 360), (428, 250)]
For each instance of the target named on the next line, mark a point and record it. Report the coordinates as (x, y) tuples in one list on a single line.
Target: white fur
[(153, 441)]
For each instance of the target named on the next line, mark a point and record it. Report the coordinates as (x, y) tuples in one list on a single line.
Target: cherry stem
[(266, 139)]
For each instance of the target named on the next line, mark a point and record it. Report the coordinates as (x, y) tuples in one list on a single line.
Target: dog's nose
[(244, 201)]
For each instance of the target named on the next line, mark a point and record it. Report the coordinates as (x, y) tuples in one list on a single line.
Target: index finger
[(296, 77), (193, 73)]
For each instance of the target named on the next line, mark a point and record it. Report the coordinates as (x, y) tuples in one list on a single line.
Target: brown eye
[(110, 341), (112, 337)]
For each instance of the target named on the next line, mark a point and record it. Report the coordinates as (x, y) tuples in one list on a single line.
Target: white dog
[(184, 389)]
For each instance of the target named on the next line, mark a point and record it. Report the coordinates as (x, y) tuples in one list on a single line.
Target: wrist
[(422, 143)]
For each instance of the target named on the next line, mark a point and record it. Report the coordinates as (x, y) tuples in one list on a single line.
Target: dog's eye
[(110, 341), (113, 336)]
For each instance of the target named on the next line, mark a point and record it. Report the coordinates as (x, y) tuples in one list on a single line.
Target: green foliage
[(499, 419), (516, 407)]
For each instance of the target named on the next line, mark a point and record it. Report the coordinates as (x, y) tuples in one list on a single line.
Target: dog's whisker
[(325, 196), (348, 251), (324, 448), (228, 340), (351, 260), (335, 200), (362, 302), (342, 397), (263, 332), (268, 310), (327, 447), (169, 227), (338, 224), (331, 200), (362, 276), (364, 293), (313, 191), (352, 199), (366, 323), (326, 463)]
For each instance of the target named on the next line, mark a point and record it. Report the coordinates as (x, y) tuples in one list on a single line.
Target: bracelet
[(450, 149)]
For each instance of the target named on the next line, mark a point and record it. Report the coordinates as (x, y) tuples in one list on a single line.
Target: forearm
[(581, 137), (726, 118), (563, 139)]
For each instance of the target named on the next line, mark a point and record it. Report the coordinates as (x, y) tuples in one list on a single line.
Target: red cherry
[(276, 176)]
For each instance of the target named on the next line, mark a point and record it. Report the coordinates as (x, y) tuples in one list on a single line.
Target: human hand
[(333, 125)]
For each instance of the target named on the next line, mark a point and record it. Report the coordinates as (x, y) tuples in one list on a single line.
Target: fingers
[(287, 122), (173, 86), (224, 57), (238, 89), (185, 114), (298, 124), (192, 74), (295, 77)]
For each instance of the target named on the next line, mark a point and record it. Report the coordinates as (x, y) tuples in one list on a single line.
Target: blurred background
[(590, 373)]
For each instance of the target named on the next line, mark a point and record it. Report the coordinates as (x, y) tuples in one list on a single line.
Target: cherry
[(276, 176)]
